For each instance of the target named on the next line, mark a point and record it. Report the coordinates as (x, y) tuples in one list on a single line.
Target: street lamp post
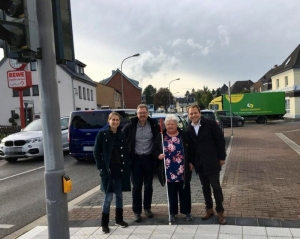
[(170, 92), (123, 102)]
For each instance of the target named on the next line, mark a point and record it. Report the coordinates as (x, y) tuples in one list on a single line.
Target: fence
[(7, 130)]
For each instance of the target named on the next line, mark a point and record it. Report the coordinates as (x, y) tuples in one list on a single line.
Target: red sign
[(19, 79)]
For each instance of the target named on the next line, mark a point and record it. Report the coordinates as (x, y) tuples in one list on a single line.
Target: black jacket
[(157, 150), (130, 130), (208, 147), (103, 151)]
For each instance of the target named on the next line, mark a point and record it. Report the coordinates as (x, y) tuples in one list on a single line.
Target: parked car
[(84, 126), (226, 118), (211, 114), (29, 142)]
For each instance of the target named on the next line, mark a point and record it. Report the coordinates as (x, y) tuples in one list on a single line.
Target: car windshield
[(97, 119), (35, 125), (208, 115)]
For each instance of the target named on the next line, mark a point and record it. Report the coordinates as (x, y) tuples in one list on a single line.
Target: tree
[(203, 97), (161, 98), (149, 93), (187, 94)]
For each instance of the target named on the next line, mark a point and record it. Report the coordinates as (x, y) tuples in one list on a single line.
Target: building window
[(81, 70), (35, 90), (277, 83), (84, 93), (92, 97), (86, 108), (287, 105), (33, 66), (80, 93), (26, 92), (286, 79), (15, 93), (78, 108), (88, 94)]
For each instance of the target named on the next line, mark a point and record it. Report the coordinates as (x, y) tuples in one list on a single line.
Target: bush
[(16, 116), (14, 124), (11, 120)]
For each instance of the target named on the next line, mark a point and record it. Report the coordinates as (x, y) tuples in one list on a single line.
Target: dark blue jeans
[(176, 189), (142, 175), (109, 196), (208, 181)]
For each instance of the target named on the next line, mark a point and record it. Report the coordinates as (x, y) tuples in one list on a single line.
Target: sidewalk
[(261, 186)]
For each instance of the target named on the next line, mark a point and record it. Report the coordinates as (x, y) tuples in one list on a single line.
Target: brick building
[(132, 91)]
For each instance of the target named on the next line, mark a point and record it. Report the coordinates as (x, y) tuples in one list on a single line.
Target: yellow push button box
[(67, 184)]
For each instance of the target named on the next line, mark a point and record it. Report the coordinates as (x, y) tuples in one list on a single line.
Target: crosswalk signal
[(18, 28)]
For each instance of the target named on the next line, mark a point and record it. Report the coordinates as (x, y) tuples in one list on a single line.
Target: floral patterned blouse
[(174, 157)]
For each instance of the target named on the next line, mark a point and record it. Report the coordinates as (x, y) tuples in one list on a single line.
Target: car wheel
[(11, 159), (239, 123)]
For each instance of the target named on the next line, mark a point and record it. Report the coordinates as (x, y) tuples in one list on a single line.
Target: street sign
[(19, 79)]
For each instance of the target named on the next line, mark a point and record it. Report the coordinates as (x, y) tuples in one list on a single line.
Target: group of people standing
[(129, 154)]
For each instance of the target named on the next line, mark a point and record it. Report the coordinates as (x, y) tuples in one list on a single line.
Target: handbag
[(161, 174)]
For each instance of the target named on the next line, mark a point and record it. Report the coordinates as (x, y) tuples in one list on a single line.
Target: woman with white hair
[(175, 150)]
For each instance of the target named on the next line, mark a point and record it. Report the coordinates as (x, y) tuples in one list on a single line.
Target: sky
[(204, 43)]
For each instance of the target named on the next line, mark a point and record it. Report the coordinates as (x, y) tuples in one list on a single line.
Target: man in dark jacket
[(209, 149), (140, 134)]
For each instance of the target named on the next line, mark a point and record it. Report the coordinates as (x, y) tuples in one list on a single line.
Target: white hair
[(172, 117)]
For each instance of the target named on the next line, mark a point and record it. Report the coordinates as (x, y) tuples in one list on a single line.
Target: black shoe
[(188, 217), (173, 218), (121, 224), (137, 217), (148, 213), (105, 228)]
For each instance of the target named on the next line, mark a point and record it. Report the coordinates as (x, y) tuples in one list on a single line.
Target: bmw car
[(29, 142)]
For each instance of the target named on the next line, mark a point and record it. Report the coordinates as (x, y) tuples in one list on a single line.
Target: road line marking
[(6, 226), (289, 142), (292, 130), (2, 179)]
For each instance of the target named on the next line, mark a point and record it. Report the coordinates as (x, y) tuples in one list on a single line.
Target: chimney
[(275, 66)]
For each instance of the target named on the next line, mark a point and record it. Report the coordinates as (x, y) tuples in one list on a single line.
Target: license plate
[(88, 148)]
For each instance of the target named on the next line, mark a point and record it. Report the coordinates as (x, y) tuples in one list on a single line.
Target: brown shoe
[(221, 218), (208, 214)]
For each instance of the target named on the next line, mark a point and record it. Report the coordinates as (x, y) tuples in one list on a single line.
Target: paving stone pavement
[(260, 179)]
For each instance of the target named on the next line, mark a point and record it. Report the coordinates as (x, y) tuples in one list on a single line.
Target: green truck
[(257, 106)]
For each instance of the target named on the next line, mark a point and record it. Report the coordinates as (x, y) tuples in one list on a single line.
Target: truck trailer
[(257, 106)]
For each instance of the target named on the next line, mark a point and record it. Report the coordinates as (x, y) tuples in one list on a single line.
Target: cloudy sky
[(202, 42)]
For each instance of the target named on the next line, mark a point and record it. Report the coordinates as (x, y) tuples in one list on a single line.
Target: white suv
[(29, 142)]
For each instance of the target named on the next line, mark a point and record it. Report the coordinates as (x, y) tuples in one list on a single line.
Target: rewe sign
[(19, 79)]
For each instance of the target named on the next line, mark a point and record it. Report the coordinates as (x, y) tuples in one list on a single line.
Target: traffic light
[(63, 33), (18, 29)]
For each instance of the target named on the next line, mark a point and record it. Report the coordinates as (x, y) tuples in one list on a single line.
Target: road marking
[(2, 179), (6, 226), (289, 142)]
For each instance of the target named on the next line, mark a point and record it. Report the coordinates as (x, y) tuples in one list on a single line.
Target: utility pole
[(56, 199)]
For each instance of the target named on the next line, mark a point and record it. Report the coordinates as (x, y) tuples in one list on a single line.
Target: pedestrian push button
[(67, 184)]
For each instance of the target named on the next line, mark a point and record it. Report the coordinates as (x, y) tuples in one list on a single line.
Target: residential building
[(264, 83), (76, 91), (182, 103), (132, 93), (241, 86), (286, 77), (108, 96)]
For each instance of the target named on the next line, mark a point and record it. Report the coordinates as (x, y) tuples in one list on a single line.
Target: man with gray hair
[(140, 134)]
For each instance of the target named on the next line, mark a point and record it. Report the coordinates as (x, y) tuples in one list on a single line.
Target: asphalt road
[(22, 191)]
